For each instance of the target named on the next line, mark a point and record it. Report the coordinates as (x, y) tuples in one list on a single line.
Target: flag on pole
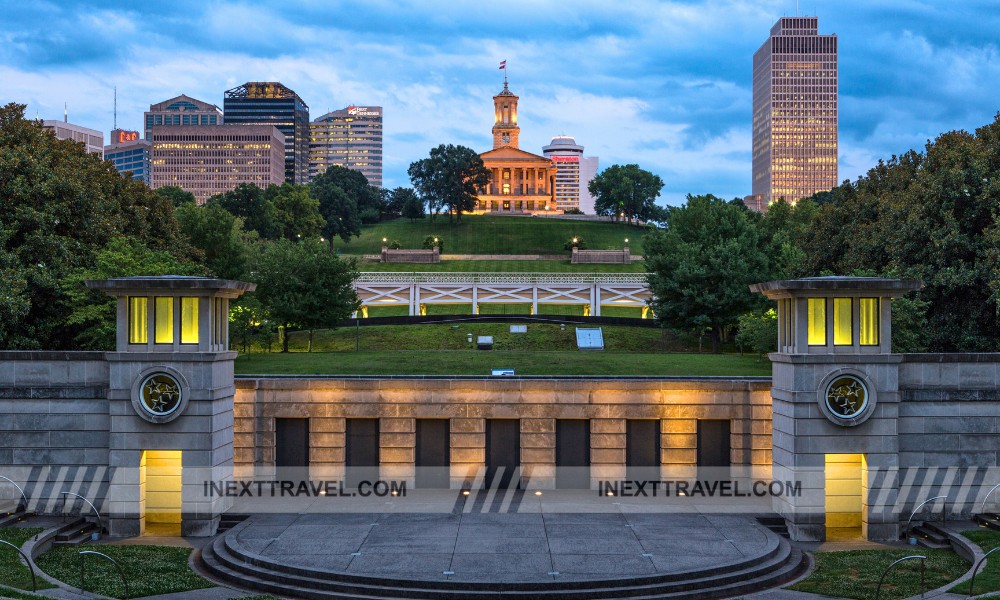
[(503, 64)]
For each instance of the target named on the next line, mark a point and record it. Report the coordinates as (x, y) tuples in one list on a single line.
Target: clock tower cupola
[(505, 128)]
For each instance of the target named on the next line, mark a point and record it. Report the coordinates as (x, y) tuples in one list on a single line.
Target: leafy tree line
[(66, 216)]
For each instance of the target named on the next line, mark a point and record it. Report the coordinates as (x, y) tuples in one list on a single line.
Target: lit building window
[(817, 321), (189, 320), (164, 317), (869, 321), (138, 323), (842, 322)]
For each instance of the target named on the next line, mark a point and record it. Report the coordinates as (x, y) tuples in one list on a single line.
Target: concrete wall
[(404, 255), (468, 402), (618, 257)]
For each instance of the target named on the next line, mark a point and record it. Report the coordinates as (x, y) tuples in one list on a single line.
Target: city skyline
[(664, 85)]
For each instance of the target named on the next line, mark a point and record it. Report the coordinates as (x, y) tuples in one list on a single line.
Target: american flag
[(503, 64)]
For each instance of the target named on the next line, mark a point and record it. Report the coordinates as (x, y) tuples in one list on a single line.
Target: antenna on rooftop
[(116, 107), (65, 112)]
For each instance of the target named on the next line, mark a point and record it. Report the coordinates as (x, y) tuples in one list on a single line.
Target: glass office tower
[(794, 112), (271, 103), (350, 138)]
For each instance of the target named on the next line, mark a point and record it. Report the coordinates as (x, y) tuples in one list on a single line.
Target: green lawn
[(150, 570), (502, 266), (489, 234), (12, 572), (855, 573), (471, 362), (988, 578)]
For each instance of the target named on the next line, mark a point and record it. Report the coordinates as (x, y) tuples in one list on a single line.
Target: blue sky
[(662, 84)]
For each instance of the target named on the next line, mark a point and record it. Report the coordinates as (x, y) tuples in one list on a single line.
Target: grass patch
[(150, 570), (988, 578), (501, 266), (473, 362), (490, 234), (12, 572), (855, 573)]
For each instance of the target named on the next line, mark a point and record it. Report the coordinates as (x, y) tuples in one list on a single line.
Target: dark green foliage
[(296, 211), (450, 178), (929, 215), (627, 192), (701, 266), (59, 206), (413, 206), (575, 242), (434, 240), (303, 285), (758, 332), (176, 195), (248, 202), (223, 246), (338, 208)]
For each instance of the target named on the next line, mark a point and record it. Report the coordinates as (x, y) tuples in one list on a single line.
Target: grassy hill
[(489, 234)]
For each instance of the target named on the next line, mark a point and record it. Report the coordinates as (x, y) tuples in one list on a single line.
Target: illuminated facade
[(271, 103), (211, 160), (350, 138), (182, 110), (573, 173), (519, 181), (92, 139), (130, 154), (795, 111)]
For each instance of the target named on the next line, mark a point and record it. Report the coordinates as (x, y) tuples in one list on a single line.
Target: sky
[(665, 85)]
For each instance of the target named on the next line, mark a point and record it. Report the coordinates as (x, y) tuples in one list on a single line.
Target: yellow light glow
[(161, 478), (189, 320), (817, 321), (138, 320), (164, 315), (869, 321), (842, 322), (844, 474)]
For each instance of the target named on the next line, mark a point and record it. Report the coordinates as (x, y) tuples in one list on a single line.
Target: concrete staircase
[(224, 559), (74, 532), (930, 535), (10, 518)]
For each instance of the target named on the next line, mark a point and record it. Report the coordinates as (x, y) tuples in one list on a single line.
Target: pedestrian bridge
[(417, 290)]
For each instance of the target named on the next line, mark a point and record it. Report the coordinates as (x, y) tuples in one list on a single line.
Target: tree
[(249, 202), (450, 178), (394, 200), (301, 284), (338, 209), (413, 206), (758, 331), (627, 191), (701, 266), (224, 247), (60, 206), (93, 311), (176, 195), (296, 211)]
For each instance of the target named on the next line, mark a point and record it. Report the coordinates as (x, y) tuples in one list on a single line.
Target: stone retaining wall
[(616, 257)]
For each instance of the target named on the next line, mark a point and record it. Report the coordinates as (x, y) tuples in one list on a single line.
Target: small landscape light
[(538, 492), (626, 240), (465, 492), (610, 493), (574, 240), (384, 240)]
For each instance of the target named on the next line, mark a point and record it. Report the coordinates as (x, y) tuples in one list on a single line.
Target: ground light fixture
[(538, 492)]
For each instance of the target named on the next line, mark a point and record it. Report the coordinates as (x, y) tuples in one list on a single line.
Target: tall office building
[(92, 139), (573, 173), (209, 160), (350, 138), (182, 110), (795, 112), (271, 103), (130, 154)]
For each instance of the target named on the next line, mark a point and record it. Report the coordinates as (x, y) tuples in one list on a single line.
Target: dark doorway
[(573, 454), (433, 455), (291, 442), (361, 453), (642, 449), (503, 452), (713, 443)]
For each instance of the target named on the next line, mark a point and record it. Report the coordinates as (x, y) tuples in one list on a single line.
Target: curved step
[(775, 568)]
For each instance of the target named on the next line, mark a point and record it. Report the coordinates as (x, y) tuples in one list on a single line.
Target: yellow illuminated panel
[(843, 482), (817, 321), (869, 321), (138, 323), (189, 320), (164, 315), (842, 322), (161, 474)]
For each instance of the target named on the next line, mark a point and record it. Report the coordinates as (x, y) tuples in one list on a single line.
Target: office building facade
[(92, 139), (130, 154), (181, 110), (588, 170), (349, 138), (211, 160), (573, 173), (273, 104), (795, 111)]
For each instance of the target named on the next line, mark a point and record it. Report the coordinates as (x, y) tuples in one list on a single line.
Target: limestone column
[(397, 449), (468, 450), (607, 450), (538, 453)]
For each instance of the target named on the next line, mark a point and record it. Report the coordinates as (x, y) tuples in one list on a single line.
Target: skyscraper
[(794, 112), (92, 140), (271, 103), (181, 110), (130, 154), (573, 173), (350, 138)]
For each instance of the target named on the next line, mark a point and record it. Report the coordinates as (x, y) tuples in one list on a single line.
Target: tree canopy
[(627, 192), (450, 178)]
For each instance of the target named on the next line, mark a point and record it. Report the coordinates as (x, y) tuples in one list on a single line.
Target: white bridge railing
[(484, 277)]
